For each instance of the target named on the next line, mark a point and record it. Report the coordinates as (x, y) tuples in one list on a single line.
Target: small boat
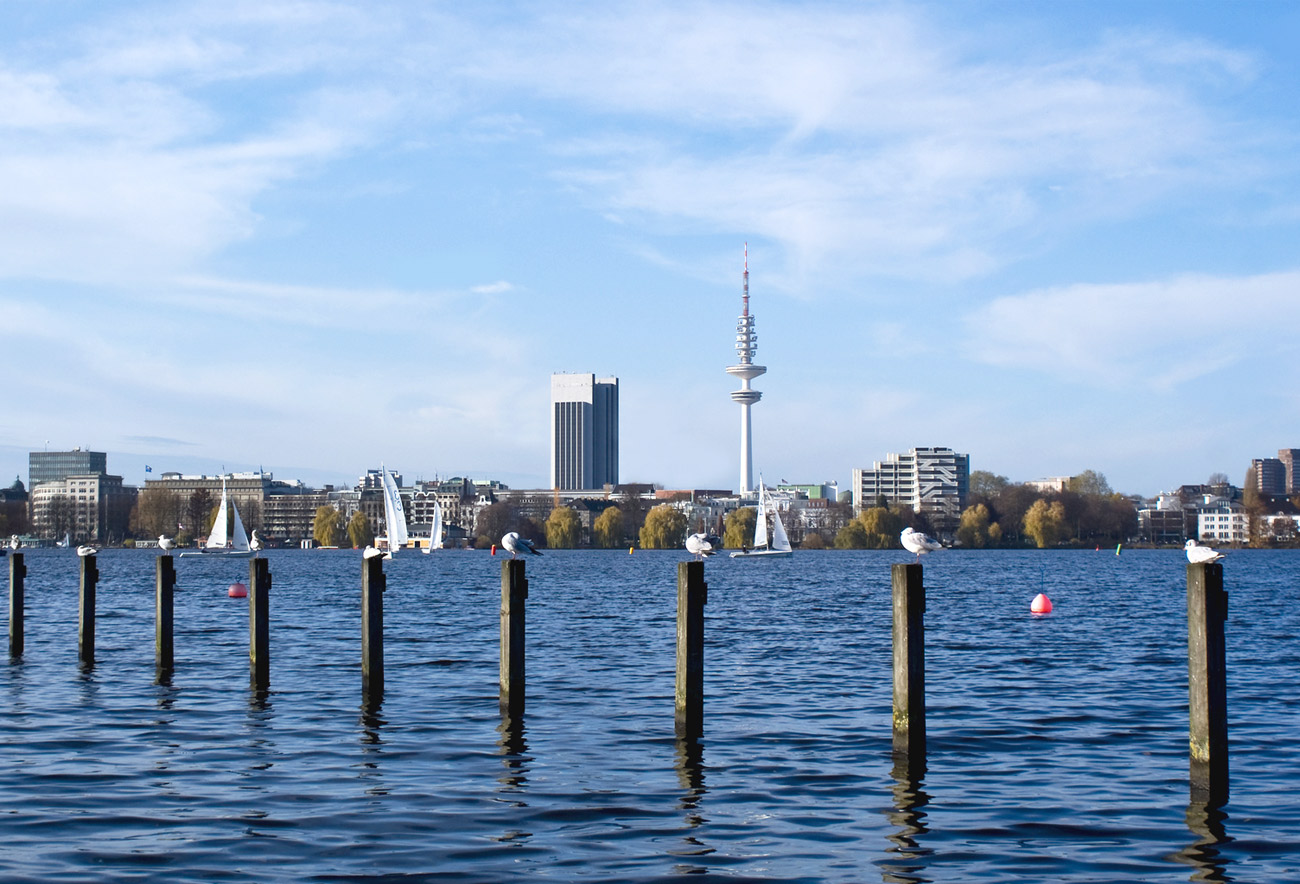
[(394, 514), (780, 544), (65, 542), (435, 529), (235, 546)]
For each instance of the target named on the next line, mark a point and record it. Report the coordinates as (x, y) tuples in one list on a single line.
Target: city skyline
[(316, 236)]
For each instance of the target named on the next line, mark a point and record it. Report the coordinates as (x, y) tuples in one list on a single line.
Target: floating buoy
[(629, 550), (494, 549), (1041, 604), (237, 591)]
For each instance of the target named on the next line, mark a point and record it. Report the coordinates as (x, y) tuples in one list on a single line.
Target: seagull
[(516, 544), (254, 543), (916, 542), (373, 552), (165, 543), (86, 550), (703, 544), (1201, 555), (14, 542)]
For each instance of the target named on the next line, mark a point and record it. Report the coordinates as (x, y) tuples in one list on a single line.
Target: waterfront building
[(1223, 520), (1051, 485), (248, 491), (746, 370), (1289, 456), (53, 466), (94, 508), (1165, 522), (1270, 476), (934, 482), (584, 432)]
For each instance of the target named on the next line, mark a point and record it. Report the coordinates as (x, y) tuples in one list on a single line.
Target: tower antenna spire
[(746, 371)]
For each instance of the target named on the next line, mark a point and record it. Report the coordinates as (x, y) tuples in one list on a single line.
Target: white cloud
[(1155, 335)]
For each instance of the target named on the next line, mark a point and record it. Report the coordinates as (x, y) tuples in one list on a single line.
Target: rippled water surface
[(1057, 745)]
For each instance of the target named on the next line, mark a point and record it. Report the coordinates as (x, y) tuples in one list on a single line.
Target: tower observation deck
[(746, 371)]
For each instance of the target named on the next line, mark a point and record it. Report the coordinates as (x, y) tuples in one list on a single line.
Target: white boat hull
[(764, 554), (225, 553)]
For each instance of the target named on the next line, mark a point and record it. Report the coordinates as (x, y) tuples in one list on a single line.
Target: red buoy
[(1041, 604), (237, 591), (494, 549)]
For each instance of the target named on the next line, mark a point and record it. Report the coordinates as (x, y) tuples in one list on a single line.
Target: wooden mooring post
[(17, 574), (86, 611), (1207, 609), (164, 593), (692, 595), (373, 584), (514, 590), (909, 664), (259, 627)]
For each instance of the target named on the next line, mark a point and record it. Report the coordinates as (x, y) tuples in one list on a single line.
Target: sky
[(312, 237)]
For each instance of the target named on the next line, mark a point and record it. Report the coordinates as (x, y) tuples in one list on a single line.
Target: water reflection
[(513, 748), (907, 858), (690, 774), (372, 724), (1208, 863)]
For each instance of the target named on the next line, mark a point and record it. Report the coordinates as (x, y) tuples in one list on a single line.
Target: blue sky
[(312, 236)]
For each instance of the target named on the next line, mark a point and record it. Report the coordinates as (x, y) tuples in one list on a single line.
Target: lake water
[(1057, 745)]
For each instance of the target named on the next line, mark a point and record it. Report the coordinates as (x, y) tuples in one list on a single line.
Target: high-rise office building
[(584, 432), (55, 466), (1289, 458), (932, 481)]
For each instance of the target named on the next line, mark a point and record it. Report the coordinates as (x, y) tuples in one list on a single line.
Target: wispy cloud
[(1156, 335)]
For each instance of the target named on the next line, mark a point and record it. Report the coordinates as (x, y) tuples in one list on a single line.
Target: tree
[(327, 527), (1090, 483), (493, 521), (986, 484), (157, 511), (664, 528), (740, 528), (563, 528), (607, 530), (360, 534), (813, 540), (1045, 524), (198, 506), (881, 527), (851, 536), (60, 516), (973, 531)]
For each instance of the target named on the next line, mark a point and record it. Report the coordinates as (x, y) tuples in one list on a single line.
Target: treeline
[(1088, 512), (1002, 514)]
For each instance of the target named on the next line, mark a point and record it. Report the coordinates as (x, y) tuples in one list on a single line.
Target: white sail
[(780, 541), (760, 523), (240, 541), (394, 515), (435, 530), (217, 536)]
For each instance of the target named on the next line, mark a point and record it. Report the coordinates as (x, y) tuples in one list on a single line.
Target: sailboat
[(218, 544), (779, 547), (394, 514), (65, 542), (435, 530)]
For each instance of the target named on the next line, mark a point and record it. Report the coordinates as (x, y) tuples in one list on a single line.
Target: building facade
[(934, 482), (584, 432), (54, 466), (94, 508), (1269, 476), (1289, 458)]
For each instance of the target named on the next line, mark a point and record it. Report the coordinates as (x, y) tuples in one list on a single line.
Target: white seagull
[(373, 552), (703, 544), (165, 543), (254, 542), (515, 544), (1201, 555), (916, 542), (14, 542), (86, 550)]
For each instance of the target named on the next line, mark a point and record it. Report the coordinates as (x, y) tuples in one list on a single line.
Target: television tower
[(746, 344)]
